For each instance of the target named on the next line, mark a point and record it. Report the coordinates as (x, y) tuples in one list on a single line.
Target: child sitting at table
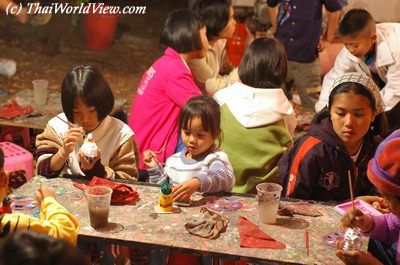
[(27, 247), (87, 101), (384, 173), (167, 85), (54, 219), (257, 119), (341, 140), (201, 165)]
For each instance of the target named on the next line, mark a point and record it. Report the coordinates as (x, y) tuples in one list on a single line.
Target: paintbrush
[(351, 190), (307, 238), (67, 122)]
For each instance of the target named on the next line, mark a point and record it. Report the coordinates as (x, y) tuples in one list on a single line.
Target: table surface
[(41, 114), (141, 226)]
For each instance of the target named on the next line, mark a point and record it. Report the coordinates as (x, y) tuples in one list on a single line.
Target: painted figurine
[(166, 199), (89, 148), (353, 239)]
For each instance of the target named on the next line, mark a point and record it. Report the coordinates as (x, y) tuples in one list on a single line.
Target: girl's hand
[(377, 202), (150, 159), (43, 193), (357, 219), (70, 139), (183, 191), (85, 163), (355, 257)]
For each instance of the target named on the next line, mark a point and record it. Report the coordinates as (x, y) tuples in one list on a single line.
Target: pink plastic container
[(17, 160)]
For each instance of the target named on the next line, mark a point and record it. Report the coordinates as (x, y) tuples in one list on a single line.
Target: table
[(142, 227), (41, 114)]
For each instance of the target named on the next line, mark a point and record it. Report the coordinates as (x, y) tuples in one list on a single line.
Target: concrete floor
[(49, 51)]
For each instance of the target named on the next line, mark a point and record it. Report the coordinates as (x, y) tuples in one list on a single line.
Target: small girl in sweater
[(201, 165)]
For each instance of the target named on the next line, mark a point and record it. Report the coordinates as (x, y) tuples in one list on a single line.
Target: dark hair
[(205, 108), (1, 158), (263, 64), (31, 248), (379, 125), (355, 21), (88, 84), (181, 31), (215, 14)]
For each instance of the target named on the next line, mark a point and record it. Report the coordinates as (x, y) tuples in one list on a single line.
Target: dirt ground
[(49, 51)]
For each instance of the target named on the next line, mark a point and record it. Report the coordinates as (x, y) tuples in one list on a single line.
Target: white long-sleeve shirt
[(213, 170), (387, 63)]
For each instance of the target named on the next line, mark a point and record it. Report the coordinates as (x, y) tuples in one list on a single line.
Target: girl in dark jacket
[(342, 139)]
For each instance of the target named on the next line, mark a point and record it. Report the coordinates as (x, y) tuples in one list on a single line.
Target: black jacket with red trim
[(317, 166)]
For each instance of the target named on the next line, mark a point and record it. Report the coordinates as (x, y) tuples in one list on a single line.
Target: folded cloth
[(302, 208), (122, 193), (210, 225), (251, 236), (13, 109)]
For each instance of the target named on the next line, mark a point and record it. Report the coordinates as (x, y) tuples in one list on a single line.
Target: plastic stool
[(7, 133), (18, 162)]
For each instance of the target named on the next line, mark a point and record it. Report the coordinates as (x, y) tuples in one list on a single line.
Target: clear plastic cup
[(268, 197), (40, 91), (99, 200)]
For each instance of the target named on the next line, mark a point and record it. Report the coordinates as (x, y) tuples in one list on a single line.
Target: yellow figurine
[(166, 199)]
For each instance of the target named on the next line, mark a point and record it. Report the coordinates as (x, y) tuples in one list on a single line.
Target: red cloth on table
[(122, 193), (13, 109), (251, 236)]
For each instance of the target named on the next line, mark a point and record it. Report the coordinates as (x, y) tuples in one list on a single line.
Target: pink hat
[(384, 167)]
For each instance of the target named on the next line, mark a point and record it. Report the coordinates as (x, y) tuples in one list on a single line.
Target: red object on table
[(13, 109), (122, 193), (251, 236)]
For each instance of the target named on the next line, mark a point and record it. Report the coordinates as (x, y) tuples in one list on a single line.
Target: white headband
[(368, 83)]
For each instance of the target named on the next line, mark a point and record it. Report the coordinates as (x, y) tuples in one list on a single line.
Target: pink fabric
[(13, 109), (165, 88)]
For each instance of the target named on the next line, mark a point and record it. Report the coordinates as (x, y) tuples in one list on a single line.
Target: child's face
[(85, 116), (351, 116), (393, 203), (196, 140), (3, 184), (229, 29), (360, 44)]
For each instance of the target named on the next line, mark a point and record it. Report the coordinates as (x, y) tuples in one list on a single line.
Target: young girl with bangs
[(200, 166)]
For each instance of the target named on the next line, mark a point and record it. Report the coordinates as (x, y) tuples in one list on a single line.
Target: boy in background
[(373, 49)]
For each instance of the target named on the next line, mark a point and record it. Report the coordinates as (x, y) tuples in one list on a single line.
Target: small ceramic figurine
[(89, 148), (353, 239), (166, 199)]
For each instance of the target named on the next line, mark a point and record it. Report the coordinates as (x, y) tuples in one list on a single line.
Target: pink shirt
[(165, 88)]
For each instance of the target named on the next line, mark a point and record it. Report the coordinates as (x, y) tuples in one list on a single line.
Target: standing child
[(257, 119), (298, 25), (54, 220), (87, 101), (167, 85), (215, 71), (373, 49), (342, 139), (384, 173), (201, 165)]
